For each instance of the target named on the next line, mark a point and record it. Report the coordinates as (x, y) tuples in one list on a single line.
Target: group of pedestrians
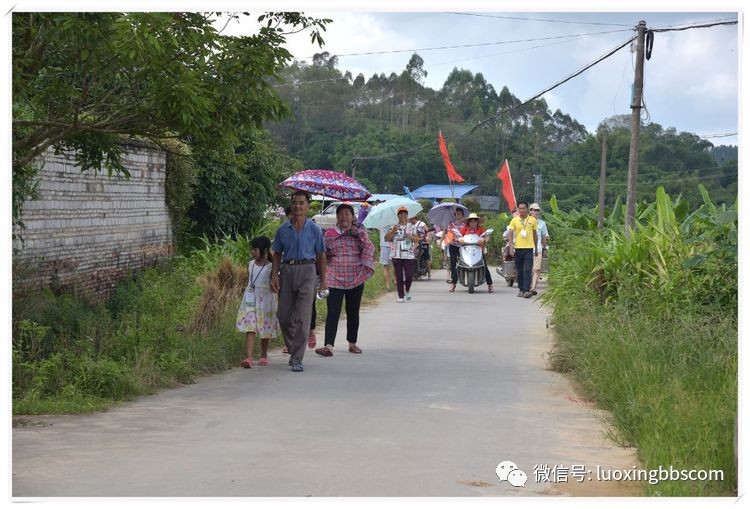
[(283, 275), (301, 257)]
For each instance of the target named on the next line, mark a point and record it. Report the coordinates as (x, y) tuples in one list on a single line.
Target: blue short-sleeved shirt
[(293, 245), (541, 231)]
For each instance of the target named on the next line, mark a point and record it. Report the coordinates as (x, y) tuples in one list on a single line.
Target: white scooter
[(471, 267)]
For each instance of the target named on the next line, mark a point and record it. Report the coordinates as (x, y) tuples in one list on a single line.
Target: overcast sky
[(691, 80)]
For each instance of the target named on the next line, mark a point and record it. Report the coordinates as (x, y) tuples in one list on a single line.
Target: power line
[(581, 71), (647, 182), (542, 20), (296, 83), (705, 168), (724, 135), (502, 53), (559, 83), (689, 27), (386, 52)]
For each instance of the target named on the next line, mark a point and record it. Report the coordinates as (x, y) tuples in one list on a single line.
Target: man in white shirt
[(542, 240)]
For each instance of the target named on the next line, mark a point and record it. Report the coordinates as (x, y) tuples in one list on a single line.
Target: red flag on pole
[(452, 173), (508, 193)]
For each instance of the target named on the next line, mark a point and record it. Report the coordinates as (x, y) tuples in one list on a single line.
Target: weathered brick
[(80, 219)]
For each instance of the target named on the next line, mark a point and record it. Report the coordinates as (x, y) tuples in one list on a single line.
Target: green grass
[(669, 382), (70, 356), (647, 325)]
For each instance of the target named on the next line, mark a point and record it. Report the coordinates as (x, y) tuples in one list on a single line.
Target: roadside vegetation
[(648, 327), (164, 327)]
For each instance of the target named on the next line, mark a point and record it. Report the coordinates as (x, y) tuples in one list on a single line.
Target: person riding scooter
[(472, 226), (472, 267)]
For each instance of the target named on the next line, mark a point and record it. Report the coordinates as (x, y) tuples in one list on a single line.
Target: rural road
[(448, 386)]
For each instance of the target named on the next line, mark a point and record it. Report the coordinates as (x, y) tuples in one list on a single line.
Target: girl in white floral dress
[(257, 313)]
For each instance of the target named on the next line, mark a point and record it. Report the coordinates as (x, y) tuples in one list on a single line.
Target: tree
[(82, 81), (232, 194)]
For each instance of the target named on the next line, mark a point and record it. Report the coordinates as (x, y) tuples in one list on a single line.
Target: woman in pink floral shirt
[(350, 261)]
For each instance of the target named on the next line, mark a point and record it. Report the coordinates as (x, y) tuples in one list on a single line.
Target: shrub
[(657, 343)]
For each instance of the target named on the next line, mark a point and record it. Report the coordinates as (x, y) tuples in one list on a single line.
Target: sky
[(690, 82)]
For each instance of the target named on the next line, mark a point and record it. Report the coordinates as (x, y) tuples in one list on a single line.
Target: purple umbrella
[(442, 214), (328, 183)]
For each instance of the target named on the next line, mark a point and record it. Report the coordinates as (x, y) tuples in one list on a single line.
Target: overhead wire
[(580, 71), (514, 41), (548, 89), (691, 26), (723, 135), (460, 135), (502, 53), (705, 168), (640, 183), (518, 18)]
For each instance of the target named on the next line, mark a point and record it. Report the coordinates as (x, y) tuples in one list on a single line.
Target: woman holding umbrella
[(454, 245), (404, 236), (451, 215), (349, 257)]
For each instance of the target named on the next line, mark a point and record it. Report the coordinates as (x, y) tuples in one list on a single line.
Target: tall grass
[(138, 342), (166, 326), (648, 326)]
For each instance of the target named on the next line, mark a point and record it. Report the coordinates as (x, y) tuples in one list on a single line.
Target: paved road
[(448, 386)]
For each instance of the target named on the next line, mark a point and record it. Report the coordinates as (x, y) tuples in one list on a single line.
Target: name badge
[(250, 298), (524, 233)]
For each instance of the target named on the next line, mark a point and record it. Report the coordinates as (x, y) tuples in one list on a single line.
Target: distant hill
[(384, 129), (724, 153)]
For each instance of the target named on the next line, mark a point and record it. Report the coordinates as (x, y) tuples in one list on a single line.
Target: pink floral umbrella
[(332, 184)]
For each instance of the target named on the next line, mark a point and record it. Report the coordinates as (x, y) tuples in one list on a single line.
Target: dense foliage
[(233, 191), (657, 342), (82, 81), (385, 128)]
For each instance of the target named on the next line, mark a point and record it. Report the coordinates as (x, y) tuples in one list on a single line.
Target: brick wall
[(86, 231)]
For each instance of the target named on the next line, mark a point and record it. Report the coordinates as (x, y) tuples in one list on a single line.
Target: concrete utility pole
[(602, 178), (538, 188), (635, 124)]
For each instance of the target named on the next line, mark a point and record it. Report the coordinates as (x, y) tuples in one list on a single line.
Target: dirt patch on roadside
[(22, 422)]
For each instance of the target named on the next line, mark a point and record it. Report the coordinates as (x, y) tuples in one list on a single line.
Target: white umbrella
[(385, 214)]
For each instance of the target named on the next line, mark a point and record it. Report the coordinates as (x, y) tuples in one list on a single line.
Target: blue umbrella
[(385, 214), (443, 214)]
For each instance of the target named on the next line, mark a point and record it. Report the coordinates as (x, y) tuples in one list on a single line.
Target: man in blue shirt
[(298, 249)]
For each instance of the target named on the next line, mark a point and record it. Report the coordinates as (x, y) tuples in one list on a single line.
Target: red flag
[(452, 173), (508, 193)]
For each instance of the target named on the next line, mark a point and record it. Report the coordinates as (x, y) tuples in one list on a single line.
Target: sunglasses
[(536, 210)]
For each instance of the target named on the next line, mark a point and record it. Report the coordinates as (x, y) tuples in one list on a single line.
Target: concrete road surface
[(449, 385)]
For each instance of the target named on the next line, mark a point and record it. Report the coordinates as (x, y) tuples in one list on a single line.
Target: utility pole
[(538, 188), (635, 125), (602, 178)]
